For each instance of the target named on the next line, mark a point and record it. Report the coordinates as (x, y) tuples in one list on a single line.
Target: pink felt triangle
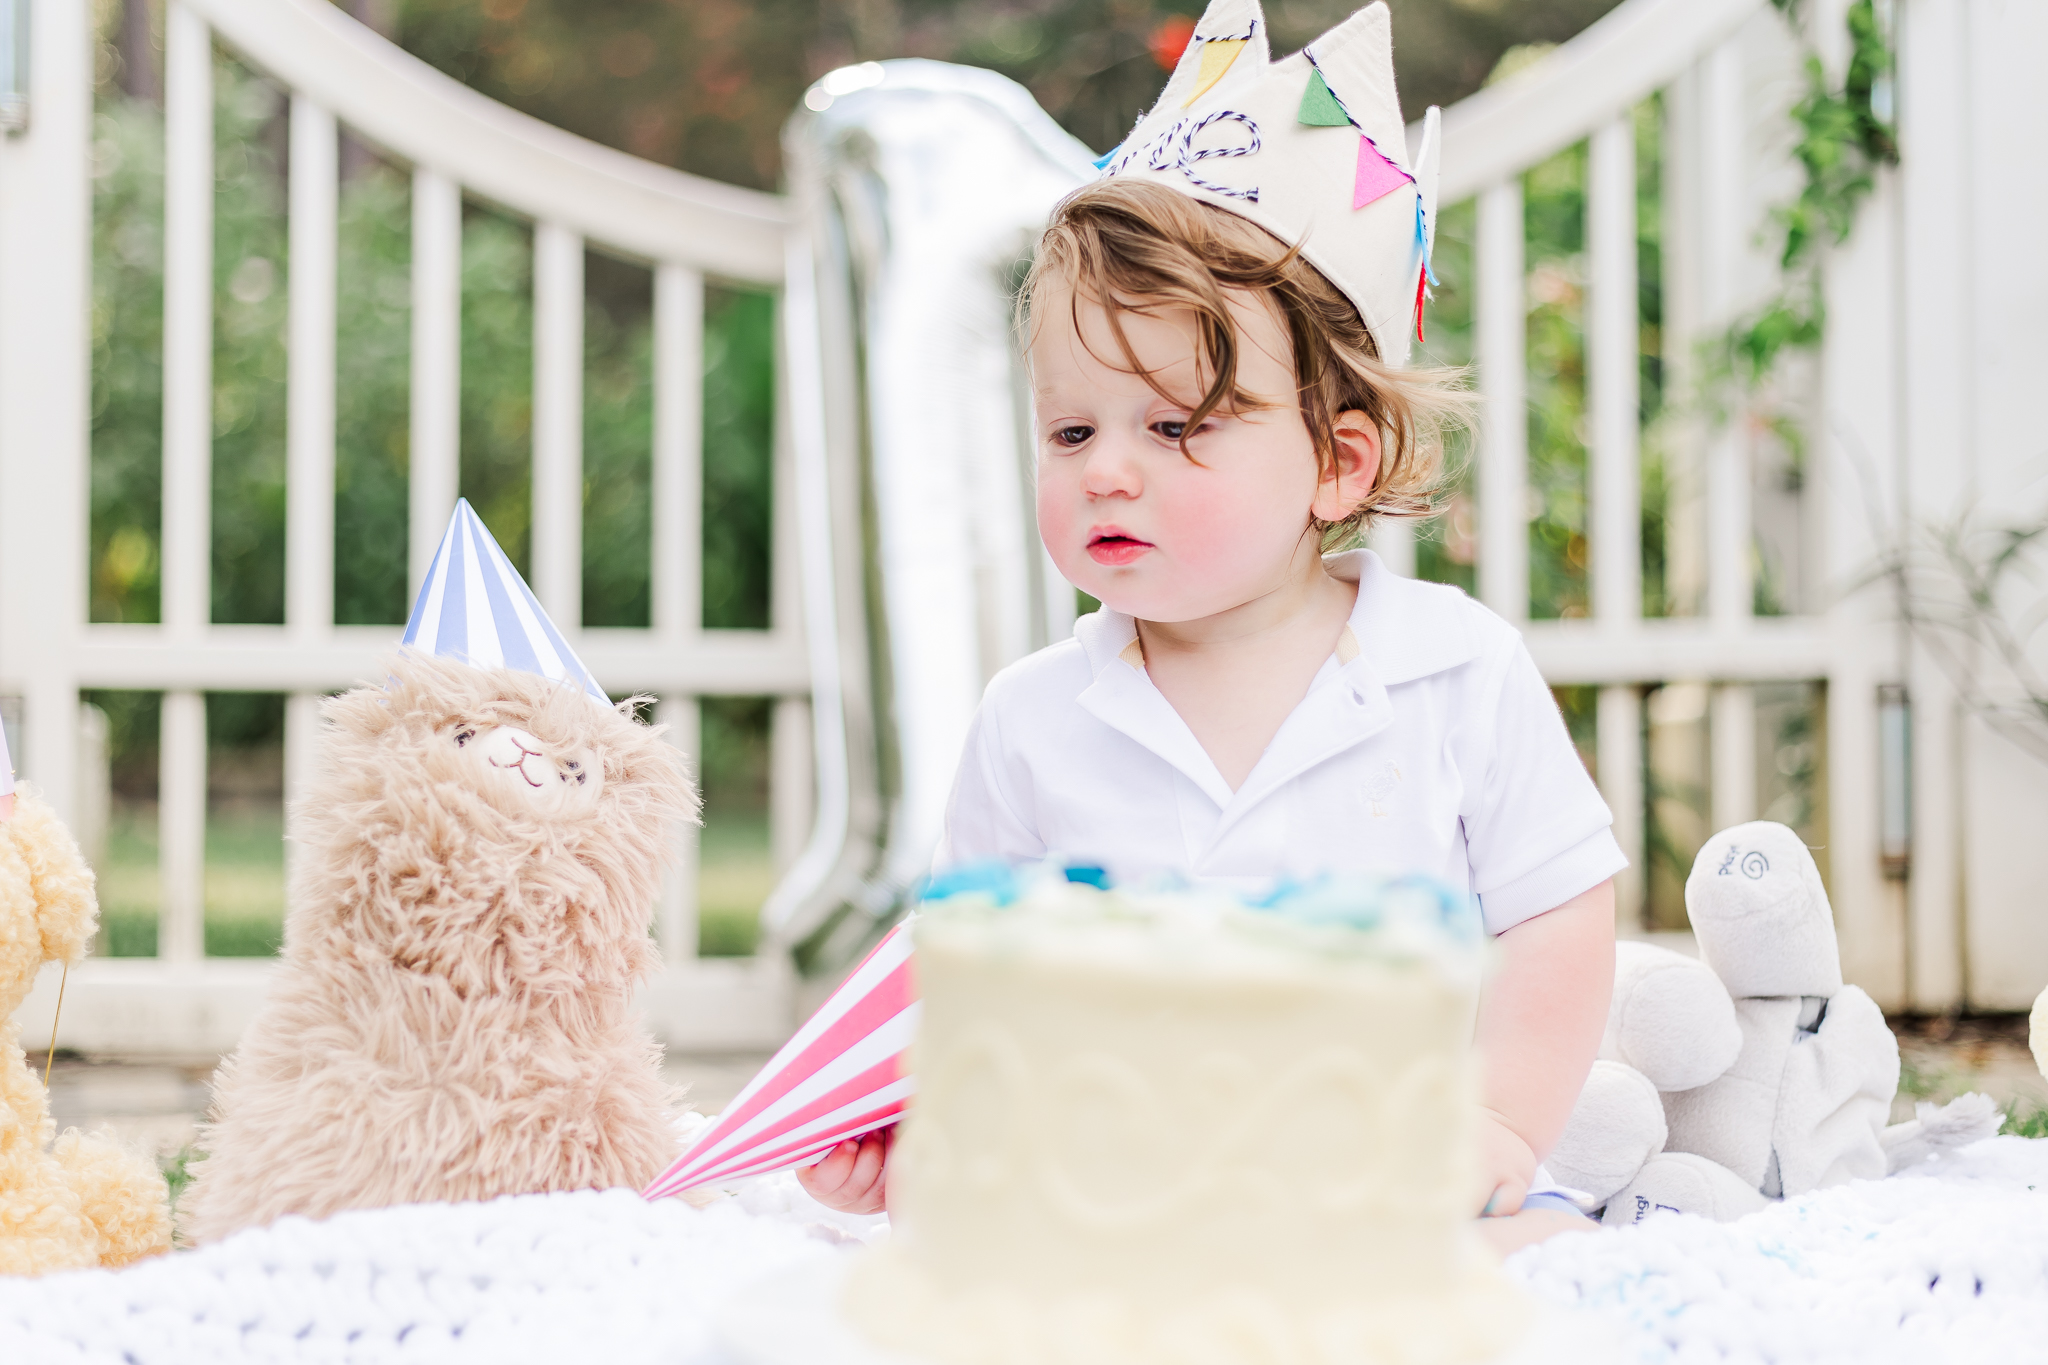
[(1377, 176)]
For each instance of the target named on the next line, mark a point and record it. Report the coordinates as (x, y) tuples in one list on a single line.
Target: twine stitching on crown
[(1188, 156), (1173, 149)]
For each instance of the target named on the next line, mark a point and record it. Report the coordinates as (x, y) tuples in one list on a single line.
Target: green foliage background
[(373, 390)]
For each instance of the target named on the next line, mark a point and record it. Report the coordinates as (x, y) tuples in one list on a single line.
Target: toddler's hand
[(854, 1177), (1506, 1166)]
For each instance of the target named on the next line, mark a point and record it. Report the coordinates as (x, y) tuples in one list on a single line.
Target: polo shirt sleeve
[(981, 819), (1536, 831)]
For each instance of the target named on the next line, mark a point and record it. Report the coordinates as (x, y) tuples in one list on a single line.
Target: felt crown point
[(1240, 131), (474, 607)]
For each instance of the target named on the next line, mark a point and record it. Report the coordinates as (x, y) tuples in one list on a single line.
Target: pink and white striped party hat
[(842, 1075)]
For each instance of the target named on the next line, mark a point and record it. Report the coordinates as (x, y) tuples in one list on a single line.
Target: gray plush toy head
[(1761, 914)]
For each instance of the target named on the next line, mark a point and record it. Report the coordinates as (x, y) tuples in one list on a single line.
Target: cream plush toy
[(82, 1201), (1754, 1072), (477, 863)]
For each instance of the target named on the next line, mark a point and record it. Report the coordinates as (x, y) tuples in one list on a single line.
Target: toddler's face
[(1130, 520)]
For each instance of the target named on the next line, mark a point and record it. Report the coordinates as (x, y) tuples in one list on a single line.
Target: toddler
[(1213, 414)]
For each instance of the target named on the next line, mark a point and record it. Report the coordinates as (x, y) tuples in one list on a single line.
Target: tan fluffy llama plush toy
[(476, 866), (84, 1201)]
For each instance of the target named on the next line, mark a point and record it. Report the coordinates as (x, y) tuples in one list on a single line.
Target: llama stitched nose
[(520, 767), (504, 756), (515, 750)]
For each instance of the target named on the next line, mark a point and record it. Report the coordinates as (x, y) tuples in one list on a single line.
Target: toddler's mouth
[(1114, 548)]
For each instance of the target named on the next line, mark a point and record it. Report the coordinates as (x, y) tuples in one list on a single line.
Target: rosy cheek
[(1058, 504), (1223, 522)]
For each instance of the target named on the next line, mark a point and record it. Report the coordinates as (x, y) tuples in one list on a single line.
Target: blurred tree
[(705, 85)]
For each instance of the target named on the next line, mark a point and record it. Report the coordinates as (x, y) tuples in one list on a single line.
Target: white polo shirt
[(1427, 743)]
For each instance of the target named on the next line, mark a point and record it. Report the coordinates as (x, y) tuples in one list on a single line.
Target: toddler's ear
[(1355, 444)]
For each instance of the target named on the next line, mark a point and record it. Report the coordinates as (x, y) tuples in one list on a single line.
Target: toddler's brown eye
[(463, 737), (1170, 431), (1072, 436)]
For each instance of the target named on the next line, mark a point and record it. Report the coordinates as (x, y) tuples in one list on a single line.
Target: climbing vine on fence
[(1843, 137)]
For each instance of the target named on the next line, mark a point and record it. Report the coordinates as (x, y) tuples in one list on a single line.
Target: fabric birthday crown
[(1311, 148), (475, 608)]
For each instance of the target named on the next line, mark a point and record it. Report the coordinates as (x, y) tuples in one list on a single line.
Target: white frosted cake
[(1178, 1128)]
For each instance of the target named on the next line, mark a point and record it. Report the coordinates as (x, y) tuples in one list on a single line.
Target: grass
[(2026, 1120), (245, 883), (735, 873)]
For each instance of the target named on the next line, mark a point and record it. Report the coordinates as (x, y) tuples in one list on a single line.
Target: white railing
[(1886, 446), (460, 144)]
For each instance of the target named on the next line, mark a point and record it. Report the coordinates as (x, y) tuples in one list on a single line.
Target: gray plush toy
[(1753, 1072)]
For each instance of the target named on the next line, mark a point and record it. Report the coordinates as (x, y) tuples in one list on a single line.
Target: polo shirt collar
[(1405, 627), (1398, 631)]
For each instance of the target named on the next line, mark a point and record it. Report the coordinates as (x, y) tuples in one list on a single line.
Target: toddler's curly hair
[(1139, 247)]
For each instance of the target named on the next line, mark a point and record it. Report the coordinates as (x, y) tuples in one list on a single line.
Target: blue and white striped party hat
[(475, 607)]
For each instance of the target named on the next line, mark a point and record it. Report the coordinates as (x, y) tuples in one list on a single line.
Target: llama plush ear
[(474, 607)]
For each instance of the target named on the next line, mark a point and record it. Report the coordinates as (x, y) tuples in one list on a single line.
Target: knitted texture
[(1949, 1262)]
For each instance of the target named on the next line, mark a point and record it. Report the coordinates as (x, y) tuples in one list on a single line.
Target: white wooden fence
[(460, 145), (1916, 419), (1908, 303)]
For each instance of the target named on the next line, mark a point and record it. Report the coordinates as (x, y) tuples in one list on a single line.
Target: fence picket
[(1501, 316), (677, 596), (436, 417), (558, 423), (188, 324), (1612, 374), (181, 829), (309, 402), (1724, 239)]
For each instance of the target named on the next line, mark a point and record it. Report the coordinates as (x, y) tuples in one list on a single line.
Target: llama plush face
[(486, 825), (552, 779)]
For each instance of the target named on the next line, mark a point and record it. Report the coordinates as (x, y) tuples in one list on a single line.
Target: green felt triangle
[(1319, 108)]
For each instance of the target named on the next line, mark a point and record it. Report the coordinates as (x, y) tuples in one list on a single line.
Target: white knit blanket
[(1950, 1263)]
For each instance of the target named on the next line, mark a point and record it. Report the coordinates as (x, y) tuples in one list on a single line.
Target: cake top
[(1050, 909)]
